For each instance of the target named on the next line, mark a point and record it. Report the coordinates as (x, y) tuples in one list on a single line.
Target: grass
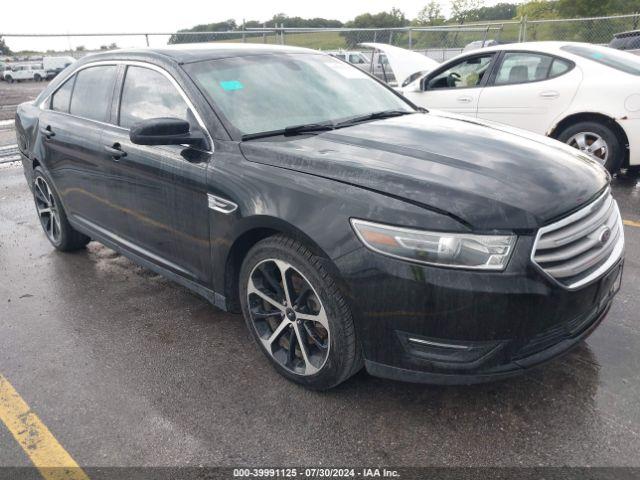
[(315, 40)]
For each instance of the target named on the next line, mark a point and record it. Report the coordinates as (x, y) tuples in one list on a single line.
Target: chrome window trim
[(616, 253), (136, 63)]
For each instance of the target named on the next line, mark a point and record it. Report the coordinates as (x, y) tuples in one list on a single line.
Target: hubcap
[(47, 209), (288, 317), (592, 144)]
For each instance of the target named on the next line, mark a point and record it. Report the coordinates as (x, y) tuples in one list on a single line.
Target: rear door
[(70, 129), (457, 86), (529, 90), (158, 194)]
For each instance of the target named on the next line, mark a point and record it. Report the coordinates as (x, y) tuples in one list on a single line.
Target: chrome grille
[(583, 246)]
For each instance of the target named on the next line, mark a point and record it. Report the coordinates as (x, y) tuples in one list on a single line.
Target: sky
[(117, 16)]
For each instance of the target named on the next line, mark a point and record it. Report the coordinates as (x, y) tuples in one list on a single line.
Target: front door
[(158, 194), (456, 87)]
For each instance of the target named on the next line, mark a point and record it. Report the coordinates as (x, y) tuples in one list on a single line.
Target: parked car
[(18, 73), (584, 95), (348, 226), (476, 44), (353, 57), (373, 63), (403, 65), (54, 65), (4, 69), (628, 41)]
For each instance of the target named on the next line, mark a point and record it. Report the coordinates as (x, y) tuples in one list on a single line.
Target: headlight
[(454, 250)]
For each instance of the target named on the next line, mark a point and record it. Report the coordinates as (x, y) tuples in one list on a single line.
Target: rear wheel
[(52, 216), (9, 78), (37, 77), (297, 315), (596, 140)]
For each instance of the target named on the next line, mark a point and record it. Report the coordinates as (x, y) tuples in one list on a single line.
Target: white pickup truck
[(27, 71)]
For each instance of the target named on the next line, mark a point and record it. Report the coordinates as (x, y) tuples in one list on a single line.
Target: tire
[(9, 79), (592, 131), (317, 368), (37, 78), (54, 223)]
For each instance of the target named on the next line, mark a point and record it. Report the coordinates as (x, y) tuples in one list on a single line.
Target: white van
[(54, 65)]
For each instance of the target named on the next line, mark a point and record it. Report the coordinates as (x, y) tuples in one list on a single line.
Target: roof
[(551, 47), (631, 33), (196, 52)]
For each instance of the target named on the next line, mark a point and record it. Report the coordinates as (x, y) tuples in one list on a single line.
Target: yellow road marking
[(44, 451), (631, 223)]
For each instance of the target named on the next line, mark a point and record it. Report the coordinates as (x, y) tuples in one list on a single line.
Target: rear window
[(625, 62), (92, 92)]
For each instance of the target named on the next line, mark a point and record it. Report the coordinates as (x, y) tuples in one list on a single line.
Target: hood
[(488, 177), (404, 62)]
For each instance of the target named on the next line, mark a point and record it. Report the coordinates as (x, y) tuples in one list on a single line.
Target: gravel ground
[(12, 94)]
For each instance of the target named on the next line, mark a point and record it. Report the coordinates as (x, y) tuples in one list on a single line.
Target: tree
[(4, 49), (499, 11), (299, 22), (392, 19), (592, 8), (461, 9), (538, 9), (431, 14)]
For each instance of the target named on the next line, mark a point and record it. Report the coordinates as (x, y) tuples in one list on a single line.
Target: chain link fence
[(438, 42)]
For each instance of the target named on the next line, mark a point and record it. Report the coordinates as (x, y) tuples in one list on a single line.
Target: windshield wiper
[(373, 116), (308, 128), (324, 126), (292, 130)]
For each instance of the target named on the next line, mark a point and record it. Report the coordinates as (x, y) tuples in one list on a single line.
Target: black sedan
[(348, 226)]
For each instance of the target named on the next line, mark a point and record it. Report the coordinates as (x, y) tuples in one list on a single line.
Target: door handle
[(465, 99), (549, 94), (47, 132), (115, 151)]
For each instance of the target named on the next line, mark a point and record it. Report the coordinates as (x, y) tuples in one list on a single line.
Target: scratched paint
[(42, 448)]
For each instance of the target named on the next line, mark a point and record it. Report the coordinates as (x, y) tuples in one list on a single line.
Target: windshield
[(623, 61), (265, 93)]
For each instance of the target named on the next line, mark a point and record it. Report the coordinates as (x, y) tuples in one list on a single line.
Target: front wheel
[(37, 77), (9, 79), (297, 315), (598, 141), (52, 216)]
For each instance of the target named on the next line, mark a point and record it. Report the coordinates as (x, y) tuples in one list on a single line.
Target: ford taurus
[(348, 226)]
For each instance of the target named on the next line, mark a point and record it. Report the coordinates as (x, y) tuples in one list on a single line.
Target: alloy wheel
[(288, 317), (47, 209), (592, 144)]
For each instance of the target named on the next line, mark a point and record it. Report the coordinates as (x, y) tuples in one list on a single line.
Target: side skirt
[(215, 298)]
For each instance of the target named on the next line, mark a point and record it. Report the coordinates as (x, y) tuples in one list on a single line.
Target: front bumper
[(435, 325)]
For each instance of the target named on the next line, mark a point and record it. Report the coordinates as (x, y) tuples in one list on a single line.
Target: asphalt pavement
[(126, 368)]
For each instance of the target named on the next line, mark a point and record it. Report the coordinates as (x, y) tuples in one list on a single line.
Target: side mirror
[(165, 131)]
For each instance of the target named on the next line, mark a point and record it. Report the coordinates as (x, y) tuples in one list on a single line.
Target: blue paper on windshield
[(231, 85)]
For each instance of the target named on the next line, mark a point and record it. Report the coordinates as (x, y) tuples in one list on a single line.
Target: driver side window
[(464, 74)]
